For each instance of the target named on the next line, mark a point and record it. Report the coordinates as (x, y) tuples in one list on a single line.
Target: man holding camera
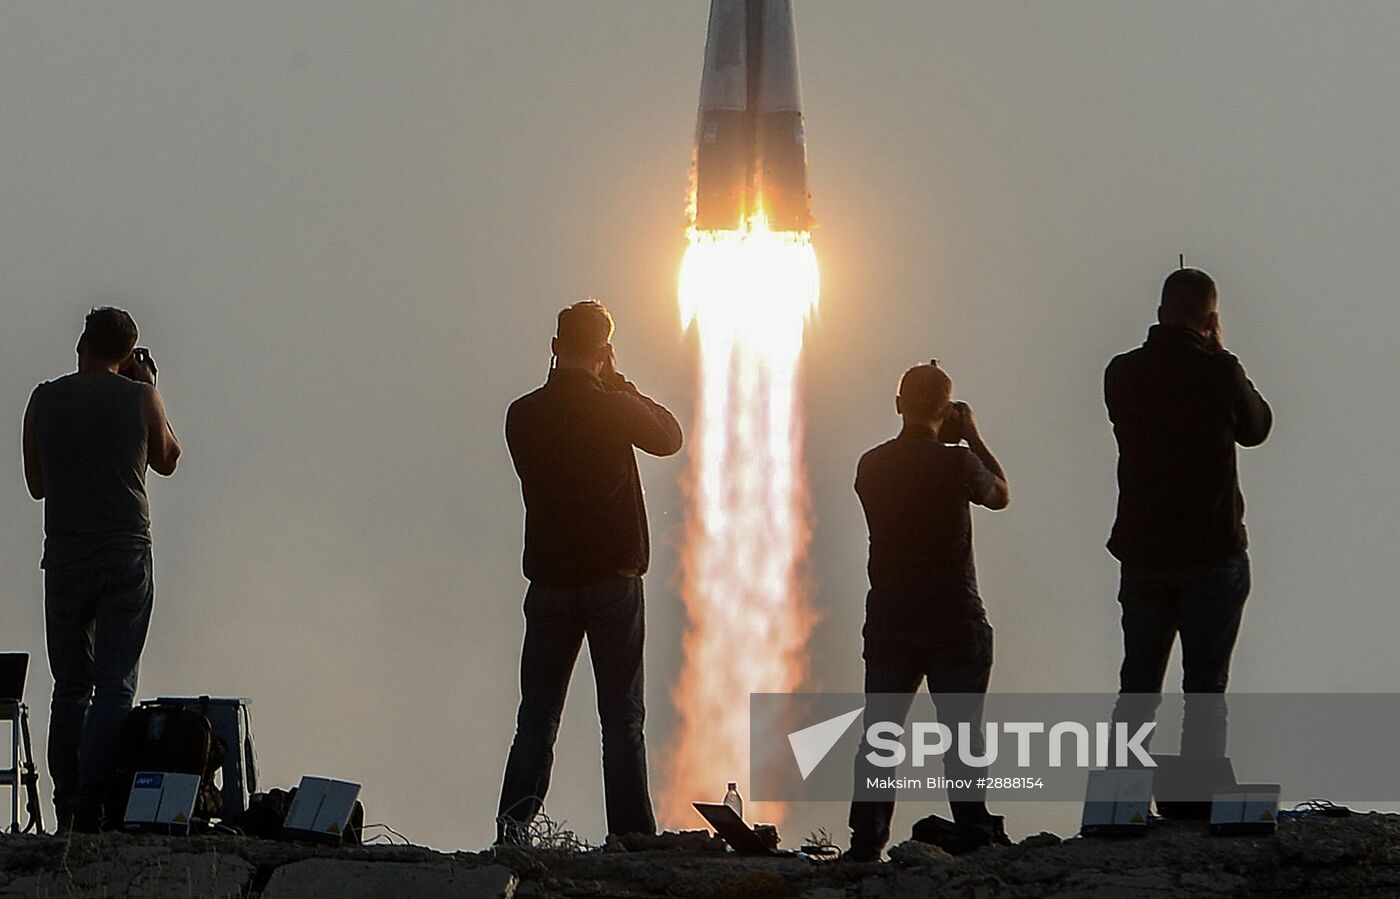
[(88, 439), (1180, 404), (586, 549), (924, 619)]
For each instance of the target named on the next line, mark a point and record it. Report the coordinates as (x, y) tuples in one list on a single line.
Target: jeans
[(96, 615), (611, 614), (957, 669), (1204, 605)]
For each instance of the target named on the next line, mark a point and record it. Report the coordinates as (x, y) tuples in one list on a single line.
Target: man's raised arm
[(33, 474), (649, 425), (162, 448), (1253, 417), (990, 488)]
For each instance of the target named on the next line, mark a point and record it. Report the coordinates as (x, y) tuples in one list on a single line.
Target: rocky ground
[(1352, 856)]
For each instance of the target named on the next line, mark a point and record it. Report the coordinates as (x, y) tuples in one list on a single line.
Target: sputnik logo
[(811, 744)]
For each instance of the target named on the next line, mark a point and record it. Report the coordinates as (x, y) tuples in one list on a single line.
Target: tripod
[(28, 775)]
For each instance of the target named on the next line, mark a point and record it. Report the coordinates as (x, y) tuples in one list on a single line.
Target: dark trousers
[(957, 670), (1203, 604), (611, 614), (96, 615)]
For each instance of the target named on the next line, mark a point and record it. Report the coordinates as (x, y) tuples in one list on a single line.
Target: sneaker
[(995, 829), (962, 837), (65, 815), (861, 855), (88, 819), (510, 832)]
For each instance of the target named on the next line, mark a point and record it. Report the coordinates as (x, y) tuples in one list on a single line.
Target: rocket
[(750, 147)]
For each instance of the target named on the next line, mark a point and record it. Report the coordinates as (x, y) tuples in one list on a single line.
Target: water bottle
[(734, 800)]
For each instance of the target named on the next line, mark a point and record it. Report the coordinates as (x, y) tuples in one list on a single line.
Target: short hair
[(584, 326), (925, 389), (109, 333), (1188, 296)]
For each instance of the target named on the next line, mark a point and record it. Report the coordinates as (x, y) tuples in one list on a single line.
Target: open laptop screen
[(14, 666)]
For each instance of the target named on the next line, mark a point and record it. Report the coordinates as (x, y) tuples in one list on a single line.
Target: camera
[(142, 356), (951, 429)]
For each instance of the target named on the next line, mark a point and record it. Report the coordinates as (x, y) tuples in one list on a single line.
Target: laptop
[(14, 668), (732, 829)]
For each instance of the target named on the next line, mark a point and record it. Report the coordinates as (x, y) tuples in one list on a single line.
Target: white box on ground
[(321, 809), (1245, 808), (163, 800), (1116, 801)]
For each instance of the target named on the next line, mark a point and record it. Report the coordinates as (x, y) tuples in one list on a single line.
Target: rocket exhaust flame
[(749, 295)]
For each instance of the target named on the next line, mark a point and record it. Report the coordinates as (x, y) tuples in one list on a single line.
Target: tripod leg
[(16, 784), (31, 779)]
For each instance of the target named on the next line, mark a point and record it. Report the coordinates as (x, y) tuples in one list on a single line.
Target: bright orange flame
[(749, 294)]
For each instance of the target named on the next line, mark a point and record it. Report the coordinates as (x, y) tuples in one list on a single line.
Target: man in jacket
[(1180, 404), (586, 549)]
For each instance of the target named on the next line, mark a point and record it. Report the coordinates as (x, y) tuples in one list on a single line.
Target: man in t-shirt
[(924, 619), (88, 440)]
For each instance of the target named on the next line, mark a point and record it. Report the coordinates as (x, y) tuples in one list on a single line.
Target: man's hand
[(967, 422), (137, 371), (1215, 337), (612, 378), (958, 424)]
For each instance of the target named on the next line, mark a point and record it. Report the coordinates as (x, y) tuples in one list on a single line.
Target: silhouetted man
[(924, 618), (586, 549), (88, 439), (1179, 405)]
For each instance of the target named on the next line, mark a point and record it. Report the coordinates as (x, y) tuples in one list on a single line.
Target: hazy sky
[(345, 228)]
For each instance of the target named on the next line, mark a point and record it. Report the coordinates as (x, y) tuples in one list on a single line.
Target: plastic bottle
[(734, 800)]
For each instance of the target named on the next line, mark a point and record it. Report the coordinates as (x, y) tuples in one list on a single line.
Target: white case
[(1245, 808), (163, 800), (1116, 801), (321, 809)]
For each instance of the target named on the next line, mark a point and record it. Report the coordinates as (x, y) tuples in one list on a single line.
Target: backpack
[(267, 811), (166, 737)]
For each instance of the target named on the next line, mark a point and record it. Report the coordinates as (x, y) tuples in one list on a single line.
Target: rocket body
[(750, 146)]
